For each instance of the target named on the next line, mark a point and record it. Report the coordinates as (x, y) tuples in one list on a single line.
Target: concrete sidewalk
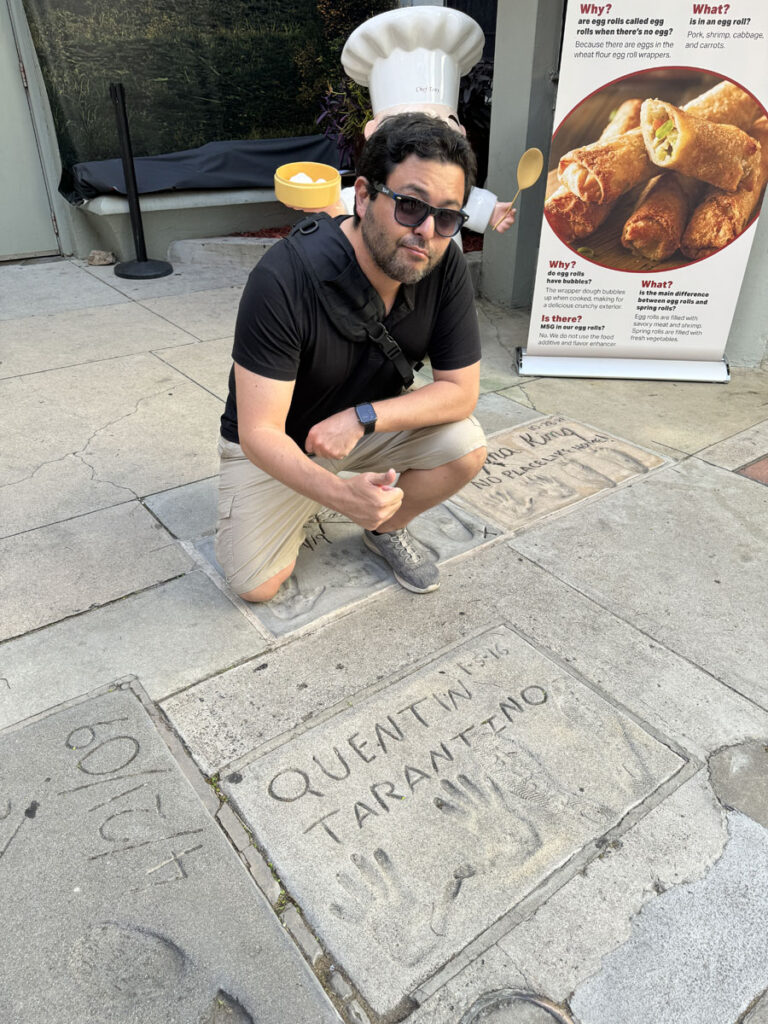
[(536, 795)]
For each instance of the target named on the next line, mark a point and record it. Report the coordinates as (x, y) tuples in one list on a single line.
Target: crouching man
[(331, 324)]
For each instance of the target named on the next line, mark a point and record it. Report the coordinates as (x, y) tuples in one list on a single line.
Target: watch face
[(365, 413)]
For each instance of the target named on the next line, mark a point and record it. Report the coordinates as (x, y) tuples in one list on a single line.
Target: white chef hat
[(413, 55)]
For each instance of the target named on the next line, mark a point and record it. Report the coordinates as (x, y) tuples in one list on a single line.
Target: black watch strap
[(366, 414)]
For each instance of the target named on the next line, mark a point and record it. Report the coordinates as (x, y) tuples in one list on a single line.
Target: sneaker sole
[(403, 583)]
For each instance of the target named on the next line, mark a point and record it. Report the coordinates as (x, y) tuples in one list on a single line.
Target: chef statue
[(411, 59)]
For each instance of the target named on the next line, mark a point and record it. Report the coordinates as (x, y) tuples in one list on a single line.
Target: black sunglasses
[(411, 212)]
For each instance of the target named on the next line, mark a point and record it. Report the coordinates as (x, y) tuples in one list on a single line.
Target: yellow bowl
[(302, 195)]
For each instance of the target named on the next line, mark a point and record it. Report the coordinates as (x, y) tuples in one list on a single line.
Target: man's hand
[(371, 499), (336, 436)]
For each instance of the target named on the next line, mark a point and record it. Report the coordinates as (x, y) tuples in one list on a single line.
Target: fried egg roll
[(725, 103), (603, 171), (720, 154), (570, 217), (721, 216), (625, 118), (656, 226)]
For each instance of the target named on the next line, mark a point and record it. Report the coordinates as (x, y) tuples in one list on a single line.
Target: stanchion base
[(143, 269)]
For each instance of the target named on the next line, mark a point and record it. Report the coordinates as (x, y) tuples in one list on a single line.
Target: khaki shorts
[(261, 522)]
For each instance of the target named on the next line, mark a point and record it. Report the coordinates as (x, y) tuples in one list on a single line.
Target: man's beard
[(390, 257)]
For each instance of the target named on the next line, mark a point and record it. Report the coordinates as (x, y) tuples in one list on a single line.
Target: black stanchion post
[(141, 267)]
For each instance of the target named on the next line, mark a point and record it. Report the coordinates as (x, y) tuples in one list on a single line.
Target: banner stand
[(709, 371)]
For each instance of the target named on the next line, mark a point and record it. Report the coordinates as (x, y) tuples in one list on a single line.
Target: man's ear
[(362, 195)]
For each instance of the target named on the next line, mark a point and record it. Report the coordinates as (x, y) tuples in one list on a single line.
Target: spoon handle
[(501, 218)]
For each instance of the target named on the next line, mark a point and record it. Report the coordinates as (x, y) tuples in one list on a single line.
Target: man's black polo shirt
[(283, 332)]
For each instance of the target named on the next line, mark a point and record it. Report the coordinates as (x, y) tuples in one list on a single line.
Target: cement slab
[(565, 941), (739, 450), (641, 410), (60, 570), (138, 426), (208, 315), (38, 343), (697, 953), (548, 465), (497, 412), (739, 777), (206, 363), (502, 331), (27, 291), (335, 570), (189, 511), (422, 813), (684, 702), (149, 916), (169, 637), (249, 707), (681, 558), (185, 280), (492, 972), (758, 1014)]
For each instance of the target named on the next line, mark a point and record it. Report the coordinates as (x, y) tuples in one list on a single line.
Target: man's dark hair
[(422, 135)]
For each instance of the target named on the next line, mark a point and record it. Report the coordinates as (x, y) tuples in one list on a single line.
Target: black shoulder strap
[(355, 324)]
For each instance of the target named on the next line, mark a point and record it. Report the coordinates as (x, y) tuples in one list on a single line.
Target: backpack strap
[(354, 324)]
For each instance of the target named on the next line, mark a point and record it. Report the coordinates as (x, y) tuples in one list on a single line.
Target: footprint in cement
[(126, 962)]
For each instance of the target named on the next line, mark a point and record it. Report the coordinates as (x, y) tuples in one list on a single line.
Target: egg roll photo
[(722, 216), (725, 103), (570, 217), (624, 119), (603, 171), (720, 154), (656, 226)]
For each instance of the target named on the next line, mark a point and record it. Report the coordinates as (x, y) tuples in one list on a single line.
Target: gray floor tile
[(497, 412), (683, 417), (46, 288), (738, 450), (699, 952), (207, 363), (38, 343), (185, 280), (335, 570), (681, 557), (502, 331), (208, 315), (169, 637), (188, 512), (423, 813), (59, 570), (561, 946), (128, 904), (136, 427)]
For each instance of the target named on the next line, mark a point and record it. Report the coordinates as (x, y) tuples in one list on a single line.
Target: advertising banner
[(657, 169)]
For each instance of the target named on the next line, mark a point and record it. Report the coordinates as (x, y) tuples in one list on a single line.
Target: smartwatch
[(367, 416)]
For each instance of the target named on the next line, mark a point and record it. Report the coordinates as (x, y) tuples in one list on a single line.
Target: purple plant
[(345, 111)]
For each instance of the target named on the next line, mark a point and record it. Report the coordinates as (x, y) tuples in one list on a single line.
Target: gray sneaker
[(408, 559)]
